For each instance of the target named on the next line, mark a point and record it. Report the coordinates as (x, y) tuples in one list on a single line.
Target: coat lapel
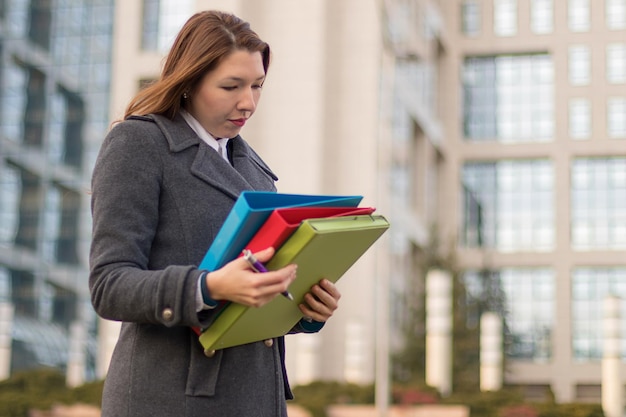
[(250, 166), (212, 168), (248, 171)]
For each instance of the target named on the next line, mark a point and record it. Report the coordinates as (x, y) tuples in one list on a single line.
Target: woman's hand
[(237, 282), (321, 301)]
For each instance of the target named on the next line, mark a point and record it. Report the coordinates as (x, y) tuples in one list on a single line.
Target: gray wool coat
[(159, 196)]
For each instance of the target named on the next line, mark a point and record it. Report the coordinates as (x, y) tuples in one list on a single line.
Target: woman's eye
[(257, 86), (229, 88)]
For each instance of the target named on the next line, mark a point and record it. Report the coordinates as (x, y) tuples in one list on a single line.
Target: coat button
[(269, 342), (209, 353), (168, 314)]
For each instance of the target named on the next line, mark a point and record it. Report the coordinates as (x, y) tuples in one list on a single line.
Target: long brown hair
[(205, 39)]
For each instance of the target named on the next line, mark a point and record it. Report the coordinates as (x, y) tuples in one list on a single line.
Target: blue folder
[(249, 213), (322, 248)]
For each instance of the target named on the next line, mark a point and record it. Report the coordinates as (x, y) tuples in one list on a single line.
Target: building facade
[(54, 78), (535, 133), (505, 123)]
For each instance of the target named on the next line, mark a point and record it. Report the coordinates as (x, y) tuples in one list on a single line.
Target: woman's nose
[(247, 100)]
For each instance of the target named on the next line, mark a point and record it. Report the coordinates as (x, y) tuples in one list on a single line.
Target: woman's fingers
[(322, 301)]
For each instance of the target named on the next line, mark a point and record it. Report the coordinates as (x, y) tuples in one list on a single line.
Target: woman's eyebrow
[(239, 79)]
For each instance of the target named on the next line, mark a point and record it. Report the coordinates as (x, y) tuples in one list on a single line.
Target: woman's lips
[(238, 122)]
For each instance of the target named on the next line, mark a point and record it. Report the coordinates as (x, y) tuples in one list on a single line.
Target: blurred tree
[(41, 389), (408, 363)]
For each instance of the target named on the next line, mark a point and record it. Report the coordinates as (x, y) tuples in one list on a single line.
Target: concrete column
[(75, 374), (490, 352), (612, 390), (108, 333), (7, 312), (439, 331)]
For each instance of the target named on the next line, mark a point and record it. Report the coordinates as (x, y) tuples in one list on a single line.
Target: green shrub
[(316, 396), (570, 410), (487, 404), (40, 389), (89, 393)]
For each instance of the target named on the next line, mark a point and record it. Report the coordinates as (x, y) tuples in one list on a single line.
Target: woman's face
[(227, 96)]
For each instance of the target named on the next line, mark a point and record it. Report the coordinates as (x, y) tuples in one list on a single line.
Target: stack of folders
[(323, 235)]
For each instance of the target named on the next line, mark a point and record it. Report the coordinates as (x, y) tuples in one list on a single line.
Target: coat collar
[(248, 171)]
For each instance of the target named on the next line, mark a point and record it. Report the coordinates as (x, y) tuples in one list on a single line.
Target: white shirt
[(218, 144)]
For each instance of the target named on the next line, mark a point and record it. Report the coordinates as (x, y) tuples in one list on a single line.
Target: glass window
[(30, 205), (162, 21), (51, 223), (73, 129), (56, 128), (416, 82), (23, 293), (579, 118), (12, 100), (578, 14), (616, 115), (529, 307), (471, 21), (579, 65), (10, 191), (505, 17), (401, 22), (35, 111), (16, 18), (150, 30), (404, 188), (615, 14), (5, 285), (542, 16), (598, 200), (509, 98), (507, 205), (402, 180), (40, 22), (590, 287), (67, 242), (616, 63)]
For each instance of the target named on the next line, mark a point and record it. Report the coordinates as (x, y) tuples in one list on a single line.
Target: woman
[(164, 181)]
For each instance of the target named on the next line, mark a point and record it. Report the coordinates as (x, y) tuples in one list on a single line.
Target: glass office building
[(541, 153), (507, 132), (55, 58)]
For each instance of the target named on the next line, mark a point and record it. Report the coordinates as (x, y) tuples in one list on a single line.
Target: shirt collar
[(203, 134)]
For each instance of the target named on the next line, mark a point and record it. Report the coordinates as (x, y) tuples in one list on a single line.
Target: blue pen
[(259, 267)]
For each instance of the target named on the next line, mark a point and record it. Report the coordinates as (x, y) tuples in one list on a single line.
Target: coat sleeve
[(126, 184), (304, 326)]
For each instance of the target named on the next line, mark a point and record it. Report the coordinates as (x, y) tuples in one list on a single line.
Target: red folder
[(283, 222)]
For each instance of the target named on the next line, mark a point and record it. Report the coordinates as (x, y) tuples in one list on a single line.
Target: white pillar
[(490, 352), (439, 331), (383, 334), (7, 313), (75, 374), (612, 390), (108, 333)]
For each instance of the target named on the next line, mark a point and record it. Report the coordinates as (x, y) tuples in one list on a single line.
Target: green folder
[(322, 248)]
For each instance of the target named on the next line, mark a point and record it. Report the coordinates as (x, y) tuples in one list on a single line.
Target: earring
[(185, 95)]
